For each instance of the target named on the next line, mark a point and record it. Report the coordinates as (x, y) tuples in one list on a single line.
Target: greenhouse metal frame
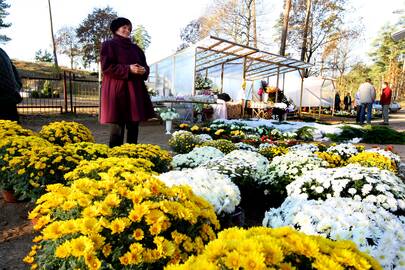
[(214, 54)]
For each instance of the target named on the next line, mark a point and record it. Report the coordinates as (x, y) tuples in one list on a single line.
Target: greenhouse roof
[(213, 52)]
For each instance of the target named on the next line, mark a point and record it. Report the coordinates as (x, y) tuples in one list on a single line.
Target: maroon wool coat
[(124, 97)]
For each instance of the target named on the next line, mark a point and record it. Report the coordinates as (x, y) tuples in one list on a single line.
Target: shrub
[(116, 167), (11, 128), (197, 157), (334, 160), (281, 248), (87, 150), (119, 224), (383, 135), (224, 146), (348, 133), (183, 142), (306, 133), (243, 167), (13, 148), (38, 166), (272, 151), (381, 187), (344, 150), (160, 158), (372, 134), (216, 188), (370, 159), (286, 168), (63, 132), (375, 231)]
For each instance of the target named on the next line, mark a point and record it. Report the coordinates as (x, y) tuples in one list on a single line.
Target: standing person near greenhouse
[(357, 106), (367, 97), (347, 101), (385, 101), (124, 97), (10, 84)]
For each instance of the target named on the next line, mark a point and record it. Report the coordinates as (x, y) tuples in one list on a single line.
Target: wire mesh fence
[(63, 93)]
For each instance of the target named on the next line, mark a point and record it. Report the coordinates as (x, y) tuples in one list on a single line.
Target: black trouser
[(9, 112), (117, 132), (358, 112)]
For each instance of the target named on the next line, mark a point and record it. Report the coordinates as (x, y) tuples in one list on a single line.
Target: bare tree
[(286, 16), (312, 25), (306, 29), (67, 43), (233, 19)]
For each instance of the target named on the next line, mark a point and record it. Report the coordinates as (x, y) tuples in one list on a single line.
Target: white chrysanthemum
[(197, 157), (368, 184), (308, 147), (216, 188), (203, 137), (345, 150), (241, 164), (245, 146), (180, 132), (266, 145), (288, 167), (375, 230)]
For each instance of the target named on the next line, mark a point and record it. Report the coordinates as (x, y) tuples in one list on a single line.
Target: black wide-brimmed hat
[(118, 22)]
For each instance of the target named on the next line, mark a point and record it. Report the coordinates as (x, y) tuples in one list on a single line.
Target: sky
[(163, 19)]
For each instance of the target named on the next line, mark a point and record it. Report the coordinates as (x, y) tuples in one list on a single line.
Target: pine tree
[(141, 37)]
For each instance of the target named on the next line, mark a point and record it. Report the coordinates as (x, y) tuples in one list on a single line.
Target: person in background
[(10, 84), (347, 101), (124, 98), (262, 90), (358, 106), (367, 97), (385, 101), (337, 102)]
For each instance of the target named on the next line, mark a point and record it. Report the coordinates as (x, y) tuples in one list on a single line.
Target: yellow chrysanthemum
[(233, 260), (81, 246), (63, 251), (118, 225), (138, 234)]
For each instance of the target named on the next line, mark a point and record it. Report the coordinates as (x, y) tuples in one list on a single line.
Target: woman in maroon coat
[(124, 97)]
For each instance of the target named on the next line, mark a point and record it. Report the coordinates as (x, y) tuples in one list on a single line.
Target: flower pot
[(237, 218), (168, 127), (8, 196), (34, 221)]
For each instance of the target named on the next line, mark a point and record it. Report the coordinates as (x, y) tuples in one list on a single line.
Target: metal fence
[(64, 93)]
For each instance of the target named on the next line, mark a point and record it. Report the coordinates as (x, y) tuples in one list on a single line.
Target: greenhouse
[(231, 68)]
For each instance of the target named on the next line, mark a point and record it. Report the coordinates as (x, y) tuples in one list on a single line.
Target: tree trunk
[(254, 24), (306, 28), (287, 9), (55, 58)]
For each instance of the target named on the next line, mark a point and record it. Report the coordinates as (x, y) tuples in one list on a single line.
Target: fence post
[(65, 91), (71, 92)]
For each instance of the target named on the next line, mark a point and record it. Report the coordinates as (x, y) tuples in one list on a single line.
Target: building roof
[(214, 52)]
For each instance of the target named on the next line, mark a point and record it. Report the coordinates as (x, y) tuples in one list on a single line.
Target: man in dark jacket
[(10, 84), (348, 102), (337, 102)]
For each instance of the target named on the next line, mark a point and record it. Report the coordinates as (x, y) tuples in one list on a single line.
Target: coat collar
[(122, 40)]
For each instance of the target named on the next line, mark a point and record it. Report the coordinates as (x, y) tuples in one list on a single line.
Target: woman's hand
[(137, 69)]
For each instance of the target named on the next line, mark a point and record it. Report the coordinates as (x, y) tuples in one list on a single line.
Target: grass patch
[(370, 134), (383, 135)]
